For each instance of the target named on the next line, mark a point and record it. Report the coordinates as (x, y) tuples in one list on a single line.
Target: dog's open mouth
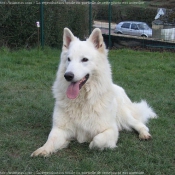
[(74, 88)]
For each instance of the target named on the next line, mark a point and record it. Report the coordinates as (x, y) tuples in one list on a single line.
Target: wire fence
[(124, 23)]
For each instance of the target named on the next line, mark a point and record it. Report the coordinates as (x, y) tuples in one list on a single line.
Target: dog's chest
[(86, 127), (87, 120)]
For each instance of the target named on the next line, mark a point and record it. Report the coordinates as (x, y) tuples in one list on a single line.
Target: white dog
[(88, 106)]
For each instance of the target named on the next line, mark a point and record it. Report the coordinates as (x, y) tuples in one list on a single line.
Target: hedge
[(18, 23), (124, 12)]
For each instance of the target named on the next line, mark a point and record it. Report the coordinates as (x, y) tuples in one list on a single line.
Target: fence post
[(109, 18), (42, 23), (90, 16)]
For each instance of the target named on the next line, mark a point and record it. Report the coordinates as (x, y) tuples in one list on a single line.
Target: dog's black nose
[(69, 76)]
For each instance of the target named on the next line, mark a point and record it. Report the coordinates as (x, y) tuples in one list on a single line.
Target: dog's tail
[(143, 112)]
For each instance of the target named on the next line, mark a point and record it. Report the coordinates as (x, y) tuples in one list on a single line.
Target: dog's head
[(81, 59)]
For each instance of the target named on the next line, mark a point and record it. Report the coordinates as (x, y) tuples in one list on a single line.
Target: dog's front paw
[(144, 136), (100, 142), (97, 143), (93, 145), (42, 151)]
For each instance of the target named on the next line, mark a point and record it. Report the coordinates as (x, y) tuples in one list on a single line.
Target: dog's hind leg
[(56, 140), (141, 128)]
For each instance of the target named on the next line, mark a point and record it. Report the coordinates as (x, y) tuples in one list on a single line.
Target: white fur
[(101, 109)]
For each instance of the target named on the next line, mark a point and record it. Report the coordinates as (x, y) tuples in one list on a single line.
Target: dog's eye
[(84, 60), (68, 59)]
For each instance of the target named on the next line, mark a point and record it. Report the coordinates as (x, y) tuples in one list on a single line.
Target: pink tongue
[(73, 90)]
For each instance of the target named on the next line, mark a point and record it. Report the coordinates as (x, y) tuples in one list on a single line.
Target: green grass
[(26, 107)]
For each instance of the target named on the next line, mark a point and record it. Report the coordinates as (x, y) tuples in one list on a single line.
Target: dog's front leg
[(105, 139), (57, 140)]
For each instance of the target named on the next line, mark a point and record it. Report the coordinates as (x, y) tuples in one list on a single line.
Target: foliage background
[(18, 24), (125, 12)]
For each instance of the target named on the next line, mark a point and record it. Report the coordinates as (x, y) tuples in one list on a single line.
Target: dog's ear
[(96, 38), (67, 38)]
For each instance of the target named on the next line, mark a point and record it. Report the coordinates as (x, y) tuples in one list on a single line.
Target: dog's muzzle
[(74, 87), (69, 76)]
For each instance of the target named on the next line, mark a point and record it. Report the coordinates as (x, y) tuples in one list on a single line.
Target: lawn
[(26, 106)]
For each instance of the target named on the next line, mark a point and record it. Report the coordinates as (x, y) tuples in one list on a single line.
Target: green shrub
[(75, 17), (124, 12), (18, 23)]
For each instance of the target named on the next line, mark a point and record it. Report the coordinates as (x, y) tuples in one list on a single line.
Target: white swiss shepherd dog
[(89, 107)]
